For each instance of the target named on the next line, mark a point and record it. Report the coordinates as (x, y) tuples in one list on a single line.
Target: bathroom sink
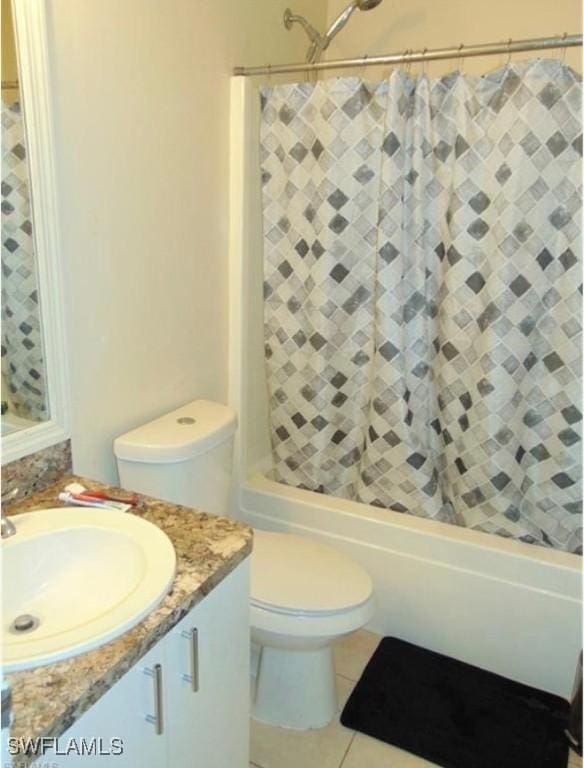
[(74, 578)]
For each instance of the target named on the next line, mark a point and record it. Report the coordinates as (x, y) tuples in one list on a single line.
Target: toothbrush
[(87, 501), (81, 492), (102, 495)]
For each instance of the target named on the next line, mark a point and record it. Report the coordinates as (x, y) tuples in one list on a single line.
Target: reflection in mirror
[(24, 391)]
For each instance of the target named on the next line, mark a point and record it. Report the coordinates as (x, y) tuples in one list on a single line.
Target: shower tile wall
[(23, 376)]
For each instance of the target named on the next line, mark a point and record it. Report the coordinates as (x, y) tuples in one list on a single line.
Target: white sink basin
[(84, 575)]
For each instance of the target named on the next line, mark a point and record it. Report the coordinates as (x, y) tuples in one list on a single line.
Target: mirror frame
[(31, 33)]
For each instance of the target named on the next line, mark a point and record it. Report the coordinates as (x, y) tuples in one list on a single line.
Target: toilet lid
[(297, 574)]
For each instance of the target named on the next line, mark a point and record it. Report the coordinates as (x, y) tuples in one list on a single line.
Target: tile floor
[(336, 746)]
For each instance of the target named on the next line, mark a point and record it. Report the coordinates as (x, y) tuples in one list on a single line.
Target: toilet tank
[(184, 457)]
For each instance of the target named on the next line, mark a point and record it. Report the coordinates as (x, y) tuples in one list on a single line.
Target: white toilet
[(304, 594)]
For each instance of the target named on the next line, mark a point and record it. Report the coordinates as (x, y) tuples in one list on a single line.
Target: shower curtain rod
[(411, 56)]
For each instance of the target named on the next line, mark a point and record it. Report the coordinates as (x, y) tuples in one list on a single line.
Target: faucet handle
[(10, 495), (7, 527)]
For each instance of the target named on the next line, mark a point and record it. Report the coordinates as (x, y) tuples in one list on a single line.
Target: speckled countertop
[(46, 701)]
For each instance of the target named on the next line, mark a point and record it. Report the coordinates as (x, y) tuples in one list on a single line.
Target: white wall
[(141, 94), (418, 24)]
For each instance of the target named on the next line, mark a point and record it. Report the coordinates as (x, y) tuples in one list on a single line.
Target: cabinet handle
[(158, 718), (193, 678)]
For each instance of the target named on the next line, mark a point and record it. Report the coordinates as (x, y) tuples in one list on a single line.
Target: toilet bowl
[(304, 596)]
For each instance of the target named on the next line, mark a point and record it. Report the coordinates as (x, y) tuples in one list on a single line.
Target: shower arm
[(293, 18), (318, 43)]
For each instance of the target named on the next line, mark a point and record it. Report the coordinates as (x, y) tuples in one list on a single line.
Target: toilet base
[(295, 688)]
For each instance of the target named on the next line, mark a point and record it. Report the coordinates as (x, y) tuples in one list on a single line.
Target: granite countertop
[(46, 701)]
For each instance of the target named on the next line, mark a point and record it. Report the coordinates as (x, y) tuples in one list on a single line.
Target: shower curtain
[(423, 295), (23, 373)]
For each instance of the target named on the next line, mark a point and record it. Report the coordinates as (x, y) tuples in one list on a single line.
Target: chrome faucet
[(7, 528)]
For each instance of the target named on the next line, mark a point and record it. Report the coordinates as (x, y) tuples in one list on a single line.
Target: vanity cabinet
[(208, 702), (185, 704)]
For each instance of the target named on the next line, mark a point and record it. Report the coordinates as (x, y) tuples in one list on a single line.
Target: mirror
[(34, 382), (24, 396)]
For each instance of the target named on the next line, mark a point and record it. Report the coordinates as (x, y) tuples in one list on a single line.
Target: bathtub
[(508, 607), (511, 608)]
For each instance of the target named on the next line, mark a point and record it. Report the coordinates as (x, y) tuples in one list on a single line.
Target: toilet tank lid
[(180, 435)]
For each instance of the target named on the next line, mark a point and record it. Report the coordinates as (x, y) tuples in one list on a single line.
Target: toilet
[(304, 594)]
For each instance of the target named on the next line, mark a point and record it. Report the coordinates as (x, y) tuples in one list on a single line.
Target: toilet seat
[(306, 628), (300, 577)]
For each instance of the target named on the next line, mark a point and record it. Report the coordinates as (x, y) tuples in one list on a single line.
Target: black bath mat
[(455, 715)]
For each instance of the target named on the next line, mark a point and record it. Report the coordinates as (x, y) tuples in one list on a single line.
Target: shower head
[(341, 20), (319, 43), (367, 5)]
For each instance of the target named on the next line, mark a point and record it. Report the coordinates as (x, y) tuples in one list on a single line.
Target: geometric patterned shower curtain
[(422, 264), (23, 370)]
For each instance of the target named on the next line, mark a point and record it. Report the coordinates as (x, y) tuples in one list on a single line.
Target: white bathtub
[(508, 607), (511, 608)]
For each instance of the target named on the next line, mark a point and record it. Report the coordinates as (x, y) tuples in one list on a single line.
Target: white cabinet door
[(126, 712), (209, 727)]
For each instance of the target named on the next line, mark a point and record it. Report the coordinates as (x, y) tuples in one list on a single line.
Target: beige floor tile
[(353, 652), (371, 753), (273, 747)]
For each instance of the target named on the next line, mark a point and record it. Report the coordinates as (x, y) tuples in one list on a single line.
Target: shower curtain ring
[(564, 47), (509, 51), (424, 52), (365, 57), (460, 57)]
